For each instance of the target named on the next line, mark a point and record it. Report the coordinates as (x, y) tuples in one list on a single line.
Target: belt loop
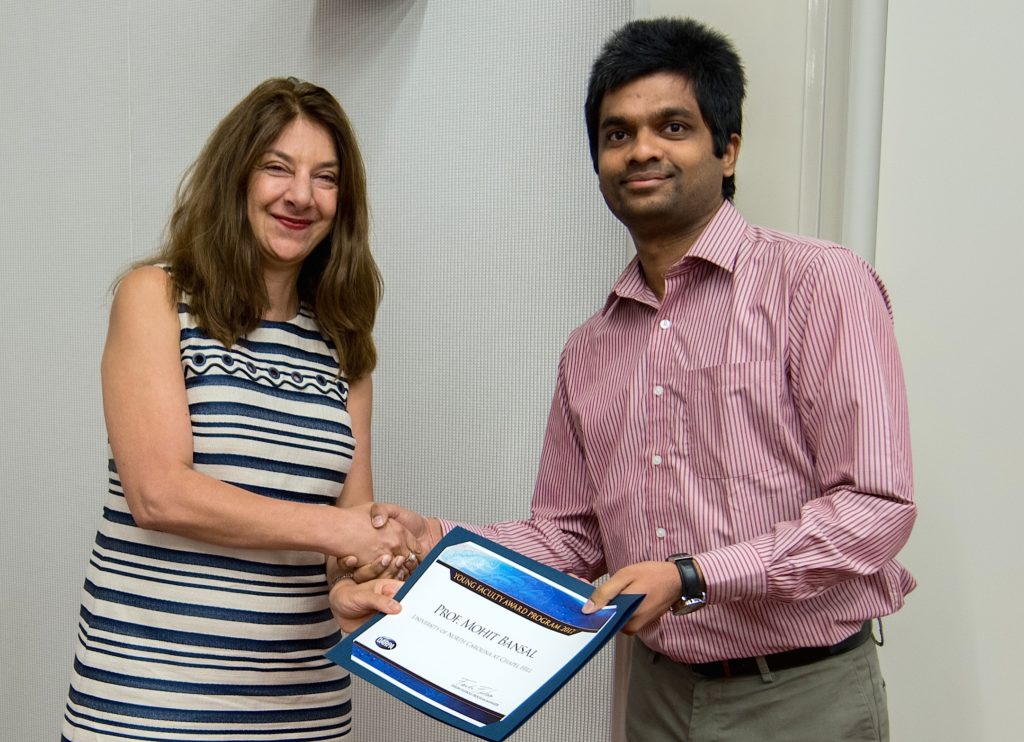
[(762, 666)]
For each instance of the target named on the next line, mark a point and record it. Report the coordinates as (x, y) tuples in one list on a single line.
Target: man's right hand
[(367, 543), (426, 530)]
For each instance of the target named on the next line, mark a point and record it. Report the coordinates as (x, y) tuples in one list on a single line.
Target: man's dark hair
[(702, 55)]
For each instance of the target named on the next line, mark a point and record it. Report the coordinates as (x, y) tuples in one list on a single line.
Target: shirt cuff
[(448, 525), (733, 573)]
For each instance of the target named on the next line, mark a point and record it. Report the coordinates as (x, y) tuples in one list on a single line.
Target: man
[(728, 433)]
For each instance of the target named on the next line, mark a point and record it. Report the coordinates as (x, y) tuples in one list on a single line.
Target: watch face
[(687, 605)]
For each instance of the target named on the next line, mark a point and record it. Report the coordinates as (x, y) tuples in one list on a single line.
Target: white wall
[(949, 247), (64, 135)]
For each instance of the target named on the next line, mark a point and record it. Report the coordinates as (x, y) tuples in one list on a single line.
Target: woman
[(236, 392)]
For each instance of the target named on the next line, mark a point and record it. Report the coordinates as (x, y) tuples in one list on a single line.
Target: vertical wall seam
[(131, 143), (813, 130), (864, 127)]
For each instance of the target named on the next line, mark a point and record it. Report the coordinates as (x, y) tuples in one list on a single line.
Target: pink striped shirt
[(756, 418)]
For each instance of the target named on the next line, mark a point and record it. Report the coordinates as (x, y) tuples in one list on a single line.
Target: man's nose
[(646, 146)]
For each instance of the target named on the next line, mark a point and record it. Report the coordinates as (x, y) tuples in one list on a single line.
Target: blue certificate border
[(342, 653)]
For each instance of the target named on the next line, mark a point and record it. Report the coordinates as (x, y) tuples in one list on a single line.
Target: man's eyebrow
[(610, 121), (676, 112), (669, 112)]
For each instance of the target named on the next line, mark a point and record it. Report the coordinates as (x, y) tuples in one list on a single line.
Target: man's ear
[(731, 154)]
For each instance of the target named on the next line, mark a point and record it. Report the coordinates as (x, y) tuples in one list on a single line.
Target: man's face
[(656, 162)]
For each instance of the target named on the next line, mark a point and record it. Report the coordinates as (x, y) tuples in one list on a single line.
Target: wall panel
[(949, 247), (65, 229)]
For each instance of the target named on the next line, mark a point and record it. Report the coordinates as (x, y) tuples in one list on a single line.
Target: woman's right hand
[(361, 543), (426, 530)]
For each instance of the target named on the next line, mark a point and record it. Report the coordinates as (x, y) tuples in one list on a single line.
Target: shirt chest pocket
[(732, 419)]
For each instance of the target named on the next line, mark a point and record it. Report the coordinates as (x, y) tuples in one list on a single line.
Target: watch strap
[(694, 591), (692, 584)]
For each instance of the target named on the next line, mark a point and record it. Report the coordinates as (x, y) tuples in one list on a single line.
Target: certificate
[(485, 636)]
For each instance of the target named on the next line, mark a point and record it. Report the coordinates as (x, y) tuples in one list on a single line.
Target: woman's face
[(293, 194)]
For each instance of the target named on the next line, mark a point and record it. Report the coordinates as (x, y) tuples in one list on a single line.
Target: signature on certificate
[(475, 689)]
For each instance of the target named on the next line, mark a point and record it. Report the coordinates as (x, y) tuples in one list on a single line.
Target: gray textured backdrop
[(488, 227)]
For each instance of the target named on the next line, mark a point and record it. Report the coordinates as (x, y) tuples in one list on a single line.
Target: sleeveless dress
[(183, 640)]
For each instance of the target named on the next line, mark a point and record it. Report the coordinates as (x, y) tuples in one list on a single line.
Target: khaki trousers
[(838, 699)]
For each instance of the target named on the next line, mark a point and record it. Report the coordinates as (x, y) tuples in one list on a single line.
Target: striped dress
[(183, 640)]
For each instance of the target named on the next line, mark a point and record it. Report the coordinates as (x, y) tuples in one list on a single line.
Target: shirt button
[(656, 460), (660, 533), (665, 324), (659, 390)]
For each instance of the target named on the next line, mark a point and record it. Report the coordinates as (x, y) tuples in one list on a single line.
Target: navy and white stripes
[(182, 640)]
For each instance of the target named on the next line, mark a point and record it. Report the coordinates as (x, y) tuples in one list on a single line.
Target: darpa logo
[(385, 643)]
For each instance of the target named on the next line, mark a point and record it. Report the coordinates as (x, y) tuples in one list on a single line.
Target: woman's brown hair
[(213, 255)]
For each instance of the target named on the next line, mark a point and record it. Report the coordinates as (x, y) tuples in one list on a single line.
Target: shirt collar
[(720, 241), (719, 244)]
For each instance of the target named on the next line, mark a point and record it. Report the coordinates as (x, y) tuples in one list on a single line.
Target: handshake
[(388, 541), (365, 583)]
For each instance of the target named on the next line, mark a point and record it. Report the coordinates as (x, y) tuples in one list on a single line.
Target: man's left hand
[(354, 604), (658, 581)]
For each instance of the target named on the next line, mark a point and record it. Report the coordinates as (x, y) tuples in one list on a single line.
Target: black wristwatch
[(694, 595)]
